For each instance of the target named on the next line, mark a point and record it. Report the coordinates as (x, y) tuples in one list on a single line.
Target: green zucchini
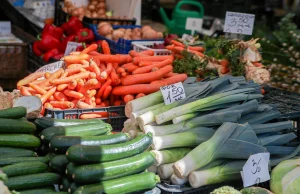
[(16, 126), (13, 113), (73, 187), (128, 184), (54, 192), (95, 173), (82, 154), (65, 184), (10, 161), (76, 130), (38, 191), (32, 181), (8, 152), (45, 122), (24, 168), (19, 140), (59, 163), (3, 177), (70, 169), (62, 143)]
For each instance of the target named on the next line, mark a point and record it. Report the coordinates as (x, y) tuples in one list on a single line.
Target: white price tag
[(188, 38), (71, 46), (52, 67), (256, 169), (173, 93), (5, 28), (239, 23), (193, 24)]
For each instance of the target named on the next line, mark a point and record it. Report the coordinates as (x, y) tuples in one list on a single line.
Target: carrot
[(225, 70), (120, 70), (91, 93), (180, 49), (75, 65), (224, 62), (105, 47), (82, 75), (147, 52), (100, 92), (47, 95), (129, 67), (62, 105), (61, 87), (197, 48), (88, 100), (170, 47), (171, 74), (114, 77), (92, 47), (171, 80), (140, 95), (128, 98), (118, 103), (73, 94), (47, 75), (75, 101), (48, 105), (114, 58), (98, 101), (124, 74), (107, 71), (37, 88), (94, 68), (146, 77), (133, 53), (137, 60), (72, 85), (83, 105), (88, 85), (90, 116), (75, 53), (146, 63), (38, 95), (53, 76), (60, 96), (97, 86), (76, 58), (136, 89), (24, 91), (177, 43), (106, 92), (148, 68), (64, 75), (39, 81), (92, 75), (178, 56), (80, 83), (73, 71), (30, 78), (42, 111), (51, 98), (84, 62)]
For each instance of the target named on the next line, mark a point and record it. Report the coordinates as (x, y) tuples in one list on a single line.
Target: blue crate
[(122, 46)]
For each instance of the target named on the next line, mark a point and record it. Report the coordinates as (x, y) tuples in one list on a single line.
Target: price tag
[(5, 28), (239, 23), (71, 46), (256, 169), (52, 67), (193, 24), (188, 38), (173, 93)]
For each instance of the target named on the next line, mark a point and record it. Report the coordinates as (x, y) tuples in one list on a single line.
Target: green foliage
[(225, 190)]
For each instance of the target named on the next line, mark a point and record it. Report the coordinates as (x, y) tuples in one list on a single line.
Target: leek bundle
[(169, 155), (231, 140)]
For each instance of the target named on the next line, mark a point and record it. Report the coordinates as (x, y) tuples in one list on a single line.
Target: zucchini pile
[(22, 169)]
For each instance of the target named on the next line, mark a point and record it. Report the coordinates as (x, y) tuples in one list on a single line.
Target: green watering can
[(179, 17)]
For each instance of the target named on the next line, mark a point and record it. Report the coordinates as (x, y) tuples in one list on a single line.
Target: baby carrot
[(105, 47), (47, 95), (72, 85), (62, 105), (60, 96), (106, 92), (37, 88), (92, 47), (73, 94), (82, 75)]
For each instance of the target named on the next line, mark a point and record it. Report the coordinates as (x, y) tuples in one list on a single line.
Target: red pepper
[(50, 53), (81, 47), (85, 35), (72, 26), (58, 56), (35, 48), (47, 43), (54, 31), (64, 43)]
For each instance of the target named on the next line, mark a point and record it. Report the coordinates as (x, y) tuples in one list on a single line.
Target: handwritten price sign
[(239, 23), (5, 28), (52, 67), (256, 169), (71, 46), (173, 93)]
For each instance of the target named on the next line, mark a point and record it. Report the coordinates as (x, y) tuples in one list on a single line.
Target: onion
[(102, 23), (101, 5), (101, 12), (149, 34), (145, 28), (135, 37), (94, 15), (94, 2), (135, 30), (159, 35), (91, 7), (105, 30), (118, 34), (109, 36), (74, 12), (122, 29)]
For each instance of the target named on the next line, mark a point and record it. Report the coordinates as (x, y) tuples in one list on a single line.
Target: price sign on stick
[(52, 67), (173, 93), (239, 23), (71, 46), (5, 28), (193, 24), (256, 169)]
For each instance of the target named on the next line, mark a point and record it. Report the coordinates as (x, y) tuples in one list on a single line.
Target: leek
[(231, 140), (280, 150), (184, 117), (178, 181), (192, 137), (134, 115), (277, 139), (152, 168), (271, 127), (226, 172), (260, 117), (165, 171), (275, 161), (169, 155)]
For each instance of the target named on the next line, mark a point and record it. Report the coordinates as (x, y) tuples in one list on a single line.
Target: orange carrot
[(171, 74), (137, 60), (224, 62), (64, 75), (88, 85), (171, 80), (75, 65), (82, 75), (30, 78), (62, 105), (146, 77), (61, 87), (94, 68), (72, 85), (75, 53), (76, 58), (88, 100), (225, 70), (133, 53), (75, 101), (107, 71), (100, 92), (177, 43), (37, 88), (140, 95), (48, 105), (73, 71), (47, 95), (114, 58), (114, 77), (90, 116), (47, 75), (92, 47), (130, 67), (73, 94), (148, 68), (42, 111), (120, 70), (91, 93), (24, 91), (170, 47), (51, 98), (106, 92), (83, 105), (80, 83), (196, 48), (128, 98), (53, 76), (84, 62), (136, 89), (105, 47), (149, 52), (92, 75), (124, 74), (60, 96), (146, 63), (98, 100), (178, 56), (118, 103), (38, 81)]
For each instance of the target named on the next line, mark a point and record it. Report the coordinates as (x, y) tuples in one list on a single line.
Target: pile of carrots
[(177, 47), (93, 80)]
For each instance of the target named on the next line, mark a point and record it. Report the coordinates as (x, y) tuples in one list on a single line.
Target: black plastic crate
[(116, 115)]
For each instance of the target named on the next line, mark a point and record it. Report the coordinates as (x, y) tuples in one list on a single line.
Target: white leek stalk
[(165, 171), (134, 115), (169, 155), (152, 168), (184, 117), (178, 181)]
